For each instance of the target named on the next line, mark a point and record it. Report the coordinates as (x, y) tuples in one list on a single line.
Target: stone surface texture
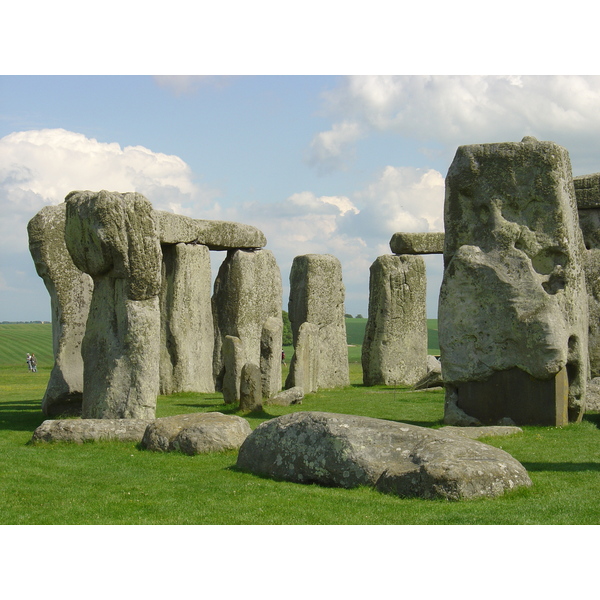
[(433, 377), (394, 349), (246, 300), (196, 433), (217, 235), (349, 451), (513, 295), (317, 296), (187, 330), (113, 238), (250, 388), (80, 431), (478, 432), (70, 295), (417, 243), (287, 397), (234, 359)]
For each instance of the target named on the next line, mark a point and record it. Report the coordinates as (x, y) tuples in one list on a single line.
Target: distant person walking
[(29, 361), (33, 363)]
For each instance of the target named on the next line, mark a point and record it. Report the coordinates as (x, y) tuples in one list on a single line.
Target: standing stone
[(70, 295), (513, 323), (250, 388), (246, 300), (270, 356), (394, 350), (317, 297), (113, 238), (587, 192), (187, 332), (304, 368), (234, 358)]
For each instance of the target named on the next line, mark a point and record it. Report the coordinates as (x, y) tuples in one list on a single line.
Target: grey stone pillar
[(513, 317), (70, 295), (113, 238), (394, 349), (317, 296)]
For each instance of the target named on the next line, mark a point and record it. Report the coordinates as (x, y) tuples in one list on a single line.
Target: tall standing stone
[(317, 296), (113, 238), (70, 295), (587, 192), (246, 304), (394, 349), (187, 332), (513, 323)]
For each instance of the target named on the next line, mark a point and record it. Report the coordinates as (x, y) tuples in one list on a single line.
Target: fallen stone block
[(196, 433), (349, 451), (478, 432), (90, 430), (293, 395)]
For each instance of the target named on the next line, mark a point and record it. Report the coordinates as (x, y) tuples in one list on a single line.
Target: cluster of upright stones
[(513, 319), (70, 295), (317, 317), (395, 345), (246, 306), (131, 298), (587, 192)]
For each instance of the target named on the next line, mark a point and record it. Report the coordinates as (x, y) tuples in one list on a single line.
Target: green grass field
[(119, 483)]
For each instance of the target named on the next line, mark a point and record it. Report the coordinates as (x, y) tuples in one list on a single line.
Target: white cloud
[(456, 110), (41, 167), (189, 84)]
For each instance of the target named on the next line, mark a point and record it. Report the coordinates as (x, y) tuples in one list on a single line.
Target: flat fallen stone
[(349, 451), (90, 430), (196, 433), (217, 235), (478, 432), (293, 395), (417, 243)]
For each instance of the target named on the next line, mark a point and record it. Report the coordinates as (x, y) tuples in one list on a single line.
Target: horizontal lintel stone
[(417, 243), (587, 190), (217, 235)]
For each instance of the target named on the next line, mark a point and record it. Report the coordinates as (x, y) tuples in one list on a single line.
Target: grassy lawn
[(118, 483)]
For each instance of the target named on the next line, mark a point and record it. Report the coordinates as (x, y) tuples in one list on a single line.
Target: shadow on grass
[(593, 418), (561, 466), (24, 415)]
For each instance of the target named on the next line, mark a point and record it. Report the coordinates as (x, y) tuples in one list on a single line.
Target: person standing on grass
[(29, 361), (33, 363)]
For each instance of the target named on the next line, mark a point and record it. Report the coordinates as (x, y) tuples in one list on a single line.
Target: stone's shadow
[(564, 466), (593, 418), (14, 415)]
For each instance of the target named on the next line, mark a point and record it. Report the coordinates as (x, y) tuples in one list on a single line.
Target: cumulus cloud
[(41, 167), (457, 110)]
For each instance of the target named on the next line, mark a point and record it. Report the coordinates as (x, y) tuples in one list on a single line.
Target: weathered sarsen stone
[(349, 451), (246, 303), (187, 331), (196, 433), (80, 431), (317, 296), (417, 243), (513, 324), (70, 295), (113, 238), (394, 349)]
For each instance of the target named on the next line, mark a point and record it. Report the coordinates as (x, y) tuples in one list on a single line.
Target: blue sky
[(326, 164)]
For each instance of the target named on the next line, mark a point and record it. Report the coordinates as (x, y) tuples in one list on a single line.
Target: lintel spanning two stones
[(130, 290)]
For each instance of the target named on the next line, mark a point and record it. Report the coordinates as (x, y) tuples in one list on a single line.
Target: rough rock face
[(304, 368), (250, 388), (317, 297), (394, 349), (348, 451), (217, 235), (417, 243), (196, 433), (270, 356), (247, 297), (433, 377), (187, 331), (90, 430), (234, 358), (593, 395), (287, 397), (70, 295), (113, 238), (587, 192), (513, 303)]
